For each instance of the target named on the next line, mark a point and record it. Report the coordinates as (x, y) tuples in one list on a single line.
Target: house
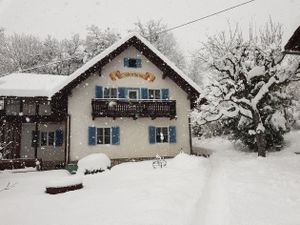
[(293, 44), (128, 102)]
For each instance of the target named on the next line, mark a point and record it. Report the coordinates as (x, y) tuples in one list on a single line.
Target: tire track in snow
[(212, 208)]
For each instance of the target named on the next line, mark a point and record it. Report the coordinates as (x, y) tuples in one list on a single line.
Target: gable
[(293, 45), (97, 63)]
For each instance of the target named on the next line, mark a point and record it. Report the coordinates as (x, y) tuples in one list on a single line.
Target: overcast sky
[(62, 18)]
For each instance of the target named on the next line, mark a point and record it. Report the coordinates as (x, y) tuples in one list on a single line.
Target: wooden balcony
[(133, 108)]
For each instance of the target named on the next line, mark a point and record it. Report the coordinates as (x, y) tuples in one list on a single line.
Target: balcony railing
[(133, 108)]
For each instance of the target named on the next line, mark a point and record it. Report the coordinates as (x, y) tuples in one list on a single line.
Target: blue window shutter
[(165, 93), (99, 92), (151, 135), (144, 93), (122, 92), (115, 139), (92, 135), (172, 133), (126, 62), (59, 137), (138, 63)]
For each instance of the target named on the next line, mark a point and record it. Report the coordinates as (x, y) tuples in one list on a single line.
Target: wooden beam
[(36, 139), (164, 75)]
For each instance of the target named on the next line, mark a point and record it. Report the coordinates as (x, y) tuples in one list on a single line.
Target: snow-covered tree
[(248, 87), (97, 40), (19, 51), (165, 42)]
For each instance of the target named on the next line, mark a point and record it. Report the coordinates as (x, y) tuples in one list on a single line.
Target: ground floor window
[(162, 134), (47, 138), (103, 135)]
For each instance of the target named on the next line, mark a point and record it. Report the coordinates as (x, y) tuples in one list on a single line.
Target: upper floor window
[(13, 107), (154, 94), (45, 108), (110, 92), (133, 62), (29, 108)]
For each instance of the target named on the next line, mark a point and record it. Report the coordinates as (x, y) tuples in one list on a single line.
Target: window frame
[(110, 92), (54, 139), (43, 138), (133, 62), (154, 94), (104, 135), (133, 90), (167, 139)]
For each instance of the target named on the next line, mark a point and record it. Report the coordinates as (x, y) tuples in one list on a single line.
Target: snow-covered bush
[(93, 163), (248, 88)]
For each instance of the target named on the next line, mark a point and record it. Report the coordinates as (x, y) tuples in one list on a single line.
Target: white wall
[(134, 137)]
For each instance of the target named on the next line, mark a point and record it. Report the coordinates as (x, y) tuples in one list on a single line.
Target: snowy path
[(211, 210), (243, 189)]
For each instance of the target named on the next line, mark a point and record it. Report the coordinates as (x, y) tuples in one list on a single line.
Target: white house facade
[(129, 102)]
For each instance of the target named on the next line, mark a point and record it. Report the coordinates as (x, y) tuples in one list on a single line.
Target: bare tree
[(165, 42)]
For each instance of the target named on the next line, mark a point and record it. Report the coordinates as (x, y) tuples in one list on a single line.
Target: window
[(1, 104), (44, 138), (45, 109), (103, 135), (47, 138), (110, 92), (154, 94), (133, 94), (13, 107), (162, 135), (132, 62), (51, 138), (29, 108)]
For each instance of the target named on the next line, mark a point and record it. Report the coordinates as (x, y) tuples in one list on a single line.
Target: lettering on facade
[(119, 75)]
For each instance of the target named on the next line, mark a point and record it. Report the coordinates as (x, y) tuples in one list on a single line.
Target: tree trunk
[(261, 144), (260, 136)]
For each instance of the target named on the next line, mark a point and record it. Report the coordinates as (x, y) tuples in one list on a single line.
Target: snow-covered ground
[(243, 189), (230, 187), (131, 193)]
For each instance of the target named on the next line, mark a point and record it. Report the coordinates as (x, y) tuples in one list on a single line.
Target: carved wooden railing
[(133, 108)]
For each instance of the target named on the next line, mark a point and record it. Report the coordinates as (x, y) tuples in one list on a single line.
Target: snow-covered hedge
[(93, 163), (64, 182)]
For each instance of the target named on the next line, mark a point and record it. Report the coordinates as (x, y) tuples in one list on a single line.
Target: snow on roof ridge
[(117, 44)]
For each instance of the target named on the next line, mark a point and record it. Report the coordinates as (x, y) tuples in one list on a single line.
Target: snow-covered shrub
[(93, 163)]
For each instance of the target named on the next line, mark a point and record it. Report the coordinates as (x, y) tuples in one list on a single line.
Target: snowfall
[(230, 187)]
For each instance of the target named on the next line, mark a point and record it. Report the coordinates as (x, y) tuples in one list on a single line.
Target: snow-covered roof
[(113, 47), (29, 84)]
